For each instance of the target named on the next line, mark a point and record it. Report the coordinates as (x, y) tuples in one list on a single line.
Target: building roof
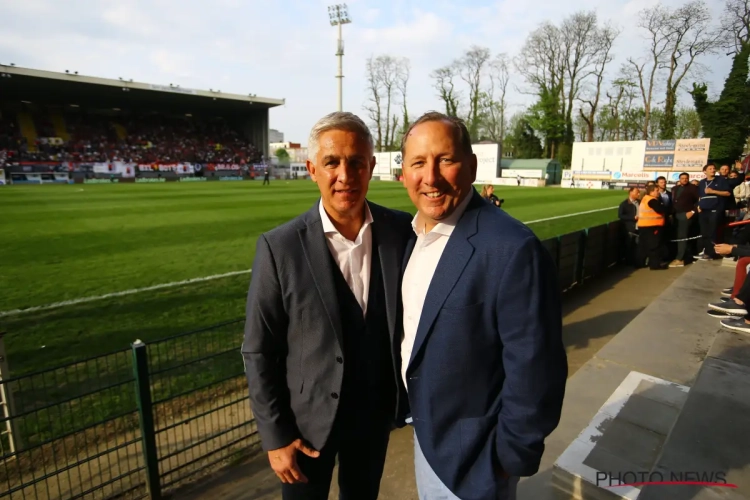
[(536, 164), (28, 84)]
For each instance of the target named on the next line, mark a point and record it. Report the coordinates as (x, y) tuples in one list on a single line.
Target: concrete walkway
[(593, 315)]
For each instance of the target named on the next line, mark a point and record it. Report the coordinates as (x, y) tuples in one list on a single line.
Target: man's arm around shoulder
[(264, 351), (529, 318)]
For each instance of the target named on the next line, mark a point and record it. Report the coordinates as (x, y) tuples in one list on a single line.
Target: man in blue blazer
[(482, 356)]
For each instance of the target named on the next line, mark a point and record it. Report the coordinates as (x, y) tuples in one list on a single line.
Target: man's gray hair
[(338, 120)]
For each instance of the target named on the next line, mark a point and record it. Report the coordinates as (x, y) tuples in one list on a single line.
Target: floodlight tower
[(339, 16)]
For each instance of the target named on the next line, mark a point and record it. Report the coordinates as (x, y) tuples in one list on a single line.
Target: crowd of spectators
[(661, 231), (147, 138)]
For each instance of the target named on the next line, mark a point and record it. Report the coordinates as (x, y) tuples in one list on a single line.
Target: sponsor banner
[(675, 176), (192, 179), (674, 155), (2, 177), (231, 178), (151, 179), (100, 181), (588, 175), (223, 166), (180, 168), (530, 174), (633, 176)]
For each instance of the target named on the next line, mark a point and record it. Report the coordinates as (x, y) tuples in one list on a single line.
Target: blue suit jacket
[(487, 373)]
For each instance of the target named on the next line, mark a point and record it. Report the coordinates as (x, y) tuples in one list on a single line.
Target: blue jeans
[(430, 487)]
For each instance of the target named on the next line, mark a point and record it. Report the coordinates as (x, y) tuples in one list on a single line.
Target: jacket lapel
[(452, 263), (318, 258), (389, 262)]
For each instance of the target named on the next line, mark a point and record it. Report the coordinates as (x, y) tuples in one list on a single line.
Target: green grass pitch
[(67, 242)]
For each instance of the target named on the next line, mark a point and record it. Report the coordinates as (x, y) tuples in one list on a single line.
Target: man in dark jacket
[(685, 206), (713, 192), (628, 214)]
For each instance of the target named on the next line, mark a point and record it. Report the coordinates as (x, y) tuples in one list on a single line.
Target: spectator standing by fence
[(651, 216), (685, 204), (712, 192), (628, 214)]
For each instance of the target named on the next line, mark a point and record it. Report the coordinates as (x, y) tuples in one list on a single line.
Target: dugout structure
[(24, 92)]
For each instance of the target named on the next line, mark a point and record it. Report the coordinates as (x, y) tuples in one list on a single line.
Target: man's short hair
[(461, 133), (651, 188), (685, 174), (708, 165), (660, 178), (338, 120)]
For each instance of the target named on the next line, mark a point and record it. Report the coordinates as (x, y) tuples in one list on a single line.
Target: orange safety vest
[(647, 216)]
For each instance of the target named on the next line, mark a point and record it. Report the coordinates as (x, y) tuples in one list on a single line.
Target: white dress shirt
[(419, 272), (353, 257)]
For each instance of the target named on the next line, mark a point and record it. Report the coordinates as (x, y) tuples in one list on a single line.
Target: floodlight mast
[(339, 16)]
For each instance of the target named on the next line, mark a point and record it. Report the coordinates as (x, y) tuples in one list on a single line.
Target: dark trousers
[(709, 221), (629, 246), (266, 181), (650, 245), (361, 442), (684, 231)]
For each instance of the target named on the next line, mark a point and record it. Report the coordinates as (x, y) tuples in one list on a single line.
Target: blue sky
[(286, 49)]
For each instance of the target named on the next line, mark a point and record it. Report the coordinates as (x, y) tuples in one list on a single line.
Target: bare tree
[(387, 78), (388, 69), (605, 38), (374, 90), (655, 20), (736, 20), (494, 103), (690, 36), (446, 88), (620, 101), (471, 66), (581, 46), (403, 83)]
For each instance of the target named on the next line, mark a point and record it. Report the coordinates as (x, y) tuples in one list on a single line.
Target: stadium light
[(339, 15)]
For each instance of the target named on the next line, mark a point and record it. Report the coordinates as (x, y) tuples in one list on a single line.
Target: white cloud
[(287, 49)]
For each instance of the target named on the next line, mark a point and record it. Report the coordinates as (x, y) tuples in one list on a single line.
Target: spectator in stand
[(651, 216), (685, 205), (628, 214), (712, 190), (667, 233)]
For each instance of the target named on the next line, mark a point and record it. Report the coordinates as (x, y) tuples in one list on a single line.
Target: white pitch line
[(569, 215), (125, 292), (162, 286)]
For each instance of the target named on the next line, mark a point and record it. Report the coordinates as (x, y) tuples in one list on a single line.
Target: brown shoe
[(677, 263)]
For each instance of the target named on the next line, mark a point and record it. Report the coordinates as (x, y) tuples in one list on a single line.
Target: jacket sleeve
[(658, 207), (264, 352), (529, 309), (623, 213)]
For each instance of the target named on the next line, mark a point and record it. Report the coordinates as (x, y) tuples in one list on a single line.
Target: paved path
[(592, 314)]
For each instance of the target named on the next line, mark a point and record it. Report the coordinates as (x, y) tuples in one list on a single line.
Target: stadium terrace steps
[(711, 438), (28, 129), (675, 389), (58, 122)]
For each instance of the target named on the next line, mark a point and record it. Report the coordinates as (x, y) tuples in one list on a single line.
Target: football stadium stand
[(65, 127)]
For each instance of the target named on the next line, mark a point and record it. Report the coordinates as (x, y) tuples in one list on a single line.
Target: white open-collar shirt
[(421, 268), (354, 258)]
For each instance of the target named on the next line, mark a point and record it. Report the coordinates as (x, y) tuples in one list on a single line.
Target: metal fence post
[(6, 401), (146, 417)]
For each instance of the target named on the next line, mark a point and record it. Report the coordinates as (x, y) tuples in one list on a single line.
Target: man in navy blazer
[(482, 356)]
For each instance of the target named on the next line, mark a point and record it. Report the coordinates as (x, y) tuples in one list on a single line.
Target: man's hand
[(723, 249), (689, 214), (284, 461)]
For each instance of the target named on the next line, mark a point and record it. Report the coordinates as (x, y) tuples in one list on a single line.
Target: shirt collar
[(446, 226), (329, 228)]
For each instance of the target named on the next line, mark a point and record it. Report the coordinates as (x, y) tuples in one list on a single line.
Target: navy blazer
[(487, 374)]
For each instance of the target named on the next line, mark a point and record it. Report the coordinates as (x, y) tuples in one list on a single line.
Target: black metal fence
[(143, 421)]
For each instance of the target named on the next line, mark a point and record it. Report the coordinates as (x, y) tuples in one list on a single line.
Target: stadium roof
[(28, 84)]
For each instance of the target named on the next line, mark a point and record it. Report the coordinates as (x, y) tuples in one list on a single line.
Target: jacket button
[(339, 359), (334, 395)]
